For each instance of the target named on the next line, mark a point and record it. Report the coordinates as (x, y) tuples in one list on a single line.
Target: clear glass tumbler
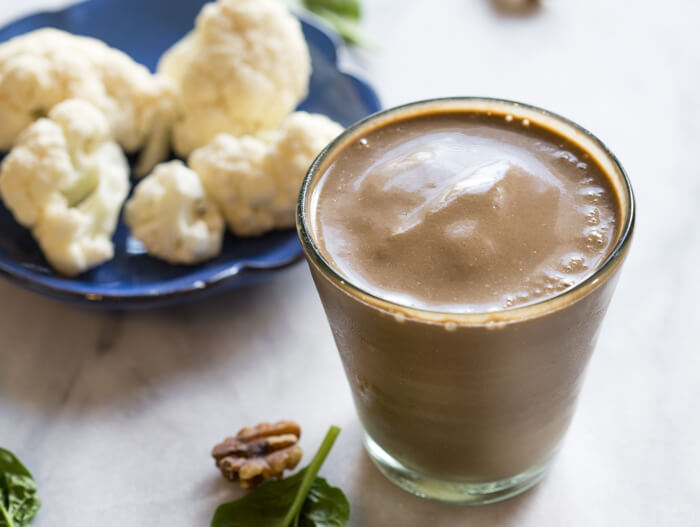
[(466, 408)]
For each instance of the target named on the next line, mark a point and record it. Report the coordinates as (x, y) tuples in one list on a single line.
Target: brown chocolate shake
[(465, 251), (464, 212)]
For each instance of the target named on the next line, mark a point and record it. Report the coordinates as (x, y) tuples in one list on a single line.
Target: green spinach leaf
[(266, 506), (300, 500), (18, 500), (343, 15), (325, 506), (346, 8)]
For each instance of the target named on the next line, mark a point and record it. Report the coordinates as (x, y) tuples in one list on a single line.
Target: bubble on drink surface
[(568, 282), (526, 122), (495, 324), (593, 216), (450, 325), (561, 286), (509, 118), (557, 281), (582, 166), (569, 157), (399, 317), (595, 239), (592, 194), (573, 263), (364, 142)]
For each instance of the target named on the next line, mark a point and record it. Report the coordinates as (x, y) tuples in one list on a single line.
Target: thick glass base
[(452, 491)]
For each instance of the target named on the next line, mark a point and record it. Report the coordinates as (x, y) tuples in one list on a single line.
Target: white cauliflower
[(244, 68), (45, 67), (173, 217), (66, 180), (255, 180)]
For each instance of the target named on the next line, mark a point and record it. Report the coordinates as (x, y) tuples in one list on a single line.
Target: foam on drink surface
[(464, 212)]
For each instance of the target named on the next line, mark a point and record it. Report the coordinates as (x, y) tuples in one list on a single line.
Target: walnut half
[(259, 453)]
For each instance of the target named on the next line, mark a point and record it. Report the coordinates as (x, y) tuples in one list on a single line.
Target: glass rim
[(504, 315)]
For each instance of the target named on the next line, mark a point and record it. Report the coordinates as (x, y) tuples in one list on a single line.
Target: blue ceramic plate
[(144, 29)]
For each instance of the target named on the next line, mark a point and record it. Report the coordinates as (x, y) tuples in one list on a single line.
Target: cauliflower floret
[(173, 217), (255, 180), (45, 67), (66, 180), (296, 144), (234, 174), (244, 68)]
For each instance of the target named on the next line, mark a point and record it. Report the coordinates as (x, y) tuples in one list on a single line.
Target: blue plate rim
[(29, 279), (197, 287)]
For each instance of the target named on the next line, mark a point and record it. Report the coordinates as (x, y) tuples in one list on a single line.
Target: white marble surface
[(116, 413)]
